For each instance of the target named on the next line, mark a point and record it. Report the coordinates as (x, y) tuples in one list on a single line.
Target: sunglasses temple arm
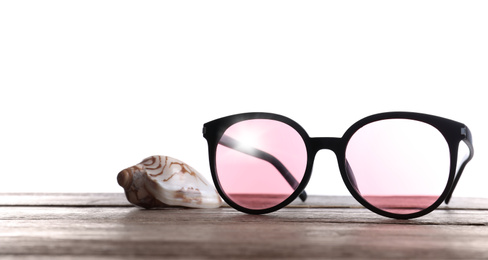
[(468, 140), (350, 175), (232, 143)]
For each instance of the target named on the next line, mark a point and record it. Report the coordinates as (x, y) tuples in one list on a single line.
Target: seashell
[(162, 181)]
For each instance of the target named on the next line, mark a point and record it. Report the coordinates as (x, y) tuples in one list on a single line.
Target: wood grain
[(105, 226)]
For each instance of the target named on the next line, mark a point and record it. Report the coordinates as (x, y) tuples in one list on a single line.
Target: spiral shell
[(162, 181)]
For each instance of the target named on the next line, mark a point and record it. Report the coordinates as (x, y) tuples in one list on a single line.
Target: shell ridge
[(148, 161), (184, 170), (159, 166)]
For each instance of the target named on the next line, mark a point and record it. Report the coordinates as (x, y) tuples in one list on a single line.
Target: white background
[(88, 88)]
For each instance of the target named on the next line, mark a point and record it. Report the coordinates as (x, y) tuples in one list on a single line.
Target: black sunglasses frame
[(453, 132)]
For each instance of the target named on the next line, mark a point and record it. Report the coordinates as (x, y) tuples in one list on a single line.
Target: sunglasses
[(398, 164)]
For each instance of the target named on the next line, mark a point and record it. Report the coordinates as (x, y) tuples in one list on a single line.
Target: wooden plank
[(318, 232), (225, 233), (119, 200), (64, 199)]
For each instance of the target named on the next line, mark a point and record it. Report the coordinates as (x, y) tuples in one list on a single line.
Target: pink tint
[(400, 166), (255, 183)]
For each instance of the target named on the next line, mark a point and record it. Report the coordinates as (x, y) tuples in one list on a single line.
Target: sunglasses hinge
[(464, 132)]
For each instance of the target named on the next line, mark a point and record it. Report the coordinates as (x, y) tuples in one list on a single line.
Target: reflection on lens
[(400, 166), (260, 162)]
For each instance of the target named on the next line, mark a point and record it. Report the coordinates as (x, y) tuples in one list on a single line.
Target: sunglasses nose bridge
[(337, 146), (330, 143)]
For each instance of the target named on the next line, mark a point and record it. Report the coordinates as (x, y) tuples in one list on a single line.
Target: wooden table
[(88, 226)]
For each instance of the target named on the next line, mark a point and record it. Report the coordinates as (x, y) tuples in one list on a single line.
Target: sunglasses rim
[(452, 131)]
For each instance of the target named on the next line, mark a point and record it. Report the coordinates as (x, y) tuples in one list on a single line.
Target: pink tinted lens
[(400, 166), (260, 162)]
